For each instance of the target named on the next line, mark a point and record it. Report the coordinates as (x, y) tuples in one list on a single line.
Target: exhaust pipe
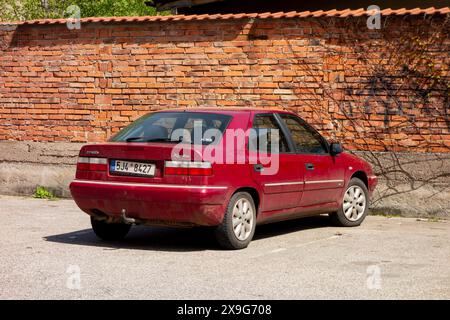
[(126, 219)]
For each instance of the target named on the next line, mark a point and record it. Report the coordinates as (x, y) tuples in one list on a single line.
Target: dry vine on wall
[(385, 92)]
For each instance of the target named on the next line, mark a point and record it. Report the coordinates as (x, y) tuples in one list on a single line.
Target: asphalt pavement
[(48, 251)]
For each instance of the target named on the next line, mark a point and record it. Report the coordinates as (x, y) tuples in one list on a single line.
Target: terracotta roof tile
[(400, 12), (303, 14), (386, 12), (333, 12), (264, 15), (346, 13), (291, 14), (317, 13), (415, 11), (430, 10), (278, 14), (357, 13), (267, 15)]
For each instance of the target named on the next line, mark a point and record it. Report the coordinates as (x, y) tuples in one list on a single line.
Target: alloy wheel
[(354, 203), (243, 219)]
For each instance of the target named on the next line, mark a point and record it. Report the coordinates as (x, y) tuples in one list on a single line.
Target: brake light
[(189, 168), (92, 164)]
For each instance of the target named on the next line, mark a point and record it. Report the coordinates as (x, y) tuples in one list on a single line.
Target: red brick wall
[(384, 89)]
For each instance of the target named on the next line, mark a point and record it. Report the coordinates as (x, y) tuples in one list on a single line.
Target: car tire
[(109, 231), (239, 223), (354, 206)]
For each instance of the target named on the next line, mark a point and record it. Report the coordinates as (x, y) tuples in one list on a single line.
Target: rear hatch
[(142, 152)]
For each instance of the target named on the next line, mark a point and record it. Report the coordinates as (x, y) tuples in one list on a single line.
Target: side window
[(263, 124), (305, 139)]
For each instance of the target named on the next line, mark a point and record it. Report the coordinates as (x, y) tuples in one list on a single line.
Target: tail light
[(189, 168), (92, 164)]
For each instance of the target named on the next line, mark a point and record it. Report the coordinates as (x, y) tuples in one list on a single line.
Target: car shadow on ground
[(181, 240)]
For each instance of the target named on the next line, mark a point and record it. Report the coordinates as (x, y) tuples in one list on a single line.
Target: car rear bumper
[(157, 204)]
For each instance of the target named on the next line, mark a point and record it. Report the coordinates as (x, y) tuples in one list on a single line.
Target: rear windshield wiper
[(151, 140), (133, 139), (161, 140)]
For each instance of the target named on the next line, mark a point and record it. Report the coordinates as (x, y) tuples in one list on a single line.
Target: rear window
[(187, 127)]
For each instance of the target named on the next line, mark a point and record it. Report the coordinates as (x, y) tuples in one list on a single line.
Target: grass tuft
[(43, 193)]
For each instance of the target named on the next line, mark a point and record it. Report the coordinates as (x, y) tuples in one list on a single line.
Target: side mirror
[(335, 148)]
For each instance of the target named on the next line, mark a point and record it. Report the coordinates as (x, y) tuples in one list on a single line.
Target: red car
[(229, 169)]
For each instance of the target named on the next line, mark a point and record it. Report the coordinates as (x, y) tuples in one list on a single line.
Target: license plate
[(132, 168)]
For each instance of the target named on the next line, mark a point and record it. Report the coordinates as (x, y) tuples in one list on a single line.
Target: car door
[(323, 174), (280, 180)]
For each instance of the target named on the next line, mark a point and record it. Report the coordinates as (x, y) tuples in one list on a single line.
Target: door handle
[(258, 167), (309, 166)]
